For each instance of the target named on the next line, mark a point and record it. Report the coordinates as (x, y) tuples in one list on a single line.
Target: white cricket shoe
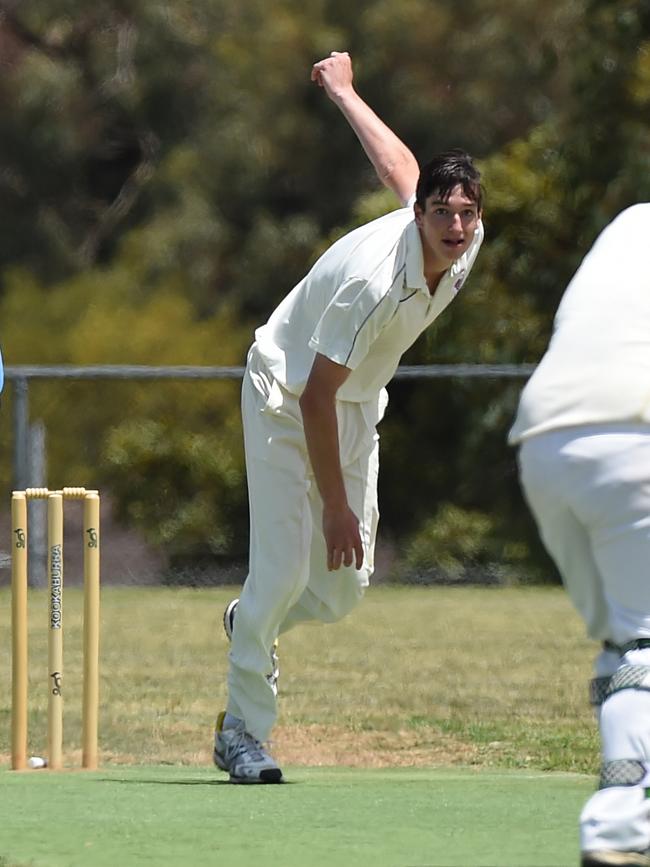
[(229, 625), (613, 858), (238, 753)]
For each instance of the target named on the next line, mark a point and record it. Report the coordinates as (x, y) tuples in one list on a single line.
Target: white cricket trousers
[(288, 581), (589, 490)]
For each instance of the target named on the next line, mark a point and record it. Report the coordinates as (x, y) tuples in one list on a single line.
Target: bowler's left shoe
[(238, 753), (614, 858), (229, 625)]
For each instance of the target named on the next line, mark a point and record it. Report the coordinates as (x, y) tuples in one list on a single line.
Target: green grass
[(415, 733), (493, 678), (384, 818)]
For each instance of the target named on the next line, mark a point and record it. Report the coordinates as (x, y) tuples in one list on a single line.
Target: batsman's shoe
[(613, 858), (229, 625), (238, 753)]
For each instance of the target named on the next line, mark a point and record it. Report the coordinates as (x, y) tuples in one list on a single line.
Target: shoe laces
[(244, 742)]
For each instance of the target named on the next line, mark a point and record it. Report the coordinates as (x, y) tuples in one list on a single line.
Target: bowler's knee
[(350, 589)]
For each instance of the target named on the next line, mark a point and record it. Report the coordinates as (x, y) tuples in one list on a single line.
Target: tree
[(169, 173)]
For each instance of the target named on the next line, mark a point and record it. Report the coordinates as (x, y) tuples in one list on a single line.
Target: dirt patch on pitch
[(321, 745), (326, 746)]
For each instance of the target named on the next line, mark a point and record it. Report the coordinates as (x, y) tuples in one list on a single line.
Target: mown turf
[(379, 818), (455, 697), (488, 677)]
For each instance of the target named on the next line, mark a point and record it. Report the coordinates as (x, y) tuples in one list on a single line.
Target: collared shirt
[(597, 366), (362, 305)]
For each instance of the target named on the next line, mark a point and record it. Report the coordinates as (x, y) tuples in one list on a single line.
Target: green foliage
[(462, 546), (448, 546), (169, 453), (101, 102), (185, 490), (169, 172), (544, 205), (607, 134)]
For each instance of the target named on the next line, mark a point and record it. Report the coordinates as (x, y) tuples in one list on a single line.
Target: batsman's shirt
[(362, 305), (597, 366)]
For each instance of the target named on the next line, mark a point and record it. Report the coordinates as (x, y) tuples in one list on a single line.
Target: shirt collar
[(415, 261)]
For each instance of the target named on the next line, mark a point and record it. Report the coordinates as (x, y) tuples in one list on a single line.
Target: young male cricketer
[(583, 428), (313, 393)]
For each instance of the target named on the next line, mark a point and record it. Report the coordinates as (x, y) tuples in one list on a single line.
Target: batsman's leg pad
[(617, 816), (623, 772), (629, 677)]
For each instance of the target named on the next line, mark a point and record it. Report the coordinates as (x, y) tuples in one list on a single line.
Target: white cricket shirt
[(363, 304), (597, 366)]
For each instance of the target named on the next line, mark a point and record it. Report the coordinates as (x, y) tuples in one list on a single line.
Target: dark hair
[(446, 171)]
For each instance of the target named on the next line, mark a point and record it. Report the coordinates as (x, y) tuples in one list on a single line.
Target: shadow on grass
[(189, 783)]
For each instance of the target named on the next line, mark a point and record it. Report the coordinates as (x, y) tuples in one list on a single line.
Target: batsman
[(312, 397), (583, 432)]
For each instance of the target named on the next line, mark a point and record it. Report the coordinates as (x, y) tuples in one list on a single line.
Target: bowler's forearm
[(322, 437), (392, 160)]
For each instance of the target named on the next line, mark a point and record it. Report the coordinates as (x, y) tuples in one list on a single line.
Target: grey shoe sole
[(612, 858), (273, 775)]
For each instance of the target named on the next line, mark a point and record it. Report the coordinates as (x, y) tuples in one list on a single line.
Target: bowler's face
[(447, 227)]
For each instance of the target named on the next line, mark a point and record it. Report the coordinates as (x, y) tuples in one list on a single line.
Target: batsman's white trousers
[(589, 490), (288, 581)]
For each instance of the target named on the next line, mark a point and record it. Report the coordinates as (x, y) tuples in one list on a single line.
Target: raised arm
[(394, 163)]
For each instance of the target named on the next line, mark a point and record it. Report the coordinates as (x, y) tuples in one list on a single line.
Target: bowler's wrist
[(335, 503), (345, 97)]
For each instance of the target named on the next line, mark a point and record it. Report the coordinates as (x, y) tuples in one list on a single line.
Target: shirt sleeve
[(352, 322)]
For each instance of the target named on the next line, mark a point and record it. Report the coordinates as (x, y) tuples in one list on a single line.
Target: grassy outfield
[(414, 733), (355, 818), (481, 677)]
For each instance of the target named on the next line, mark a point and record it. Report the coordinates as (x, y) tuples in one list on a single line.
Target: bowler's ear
[(419, 214)]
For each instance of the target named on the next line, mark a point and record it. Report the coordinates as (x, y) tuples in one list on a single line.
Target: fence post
[(21, 433), (37, 508)]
